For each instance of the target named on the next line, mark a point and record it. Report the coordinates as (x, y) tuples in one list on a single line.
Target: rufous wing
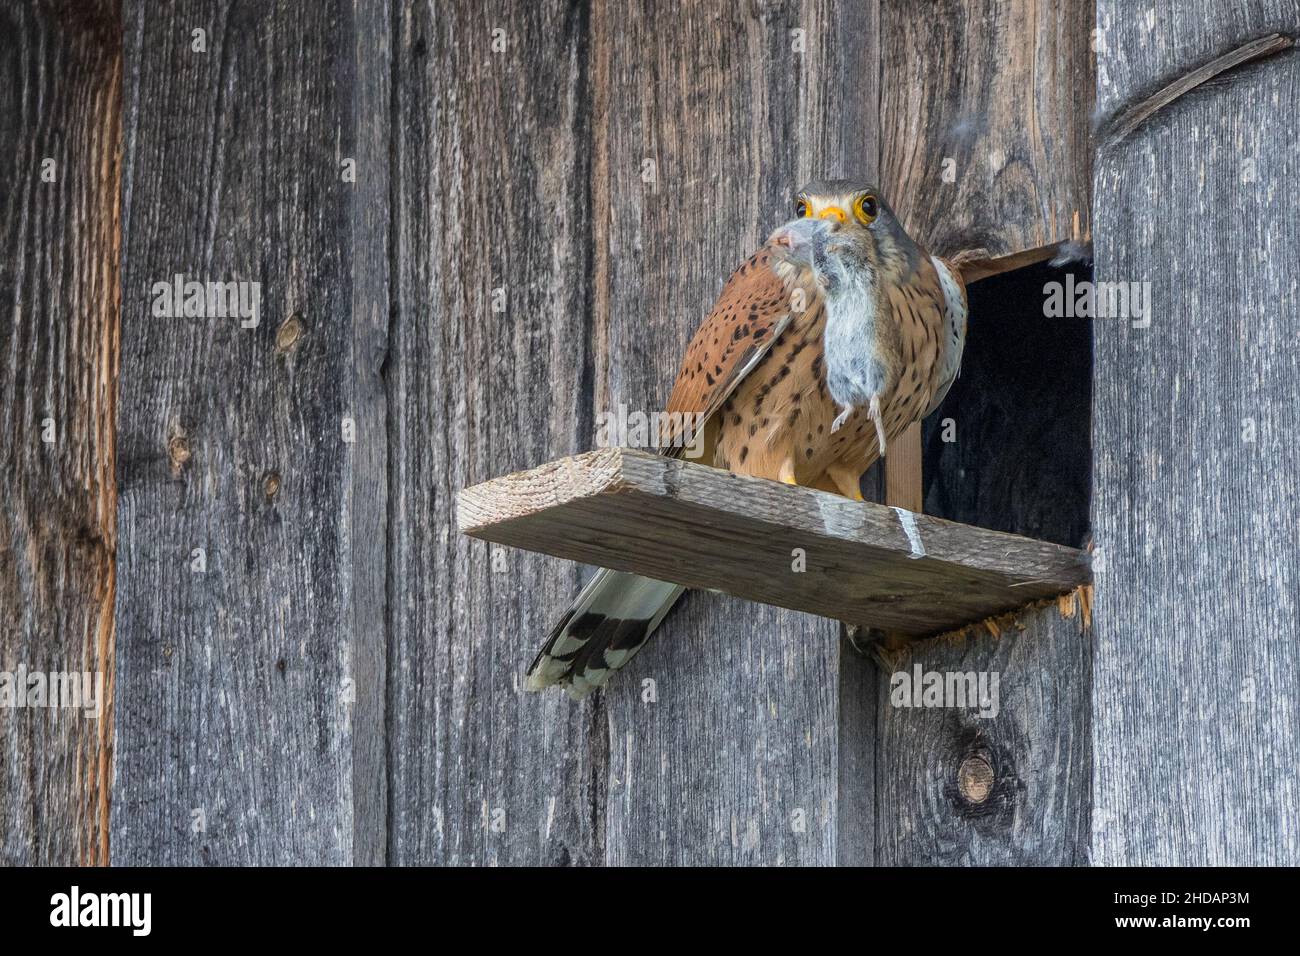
[(751, 313)]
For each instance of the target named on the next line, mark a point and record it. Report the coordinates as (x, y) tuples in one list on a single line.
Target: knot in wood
[(178, 452), (975, 778), (271, 484), (288, 334)]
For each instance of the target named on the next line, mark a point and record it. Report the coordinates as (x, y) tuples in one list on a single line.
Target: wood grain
[(341, 683), (1197, 741), (997, 93), (60, 101), (493, 191), (249, 712)]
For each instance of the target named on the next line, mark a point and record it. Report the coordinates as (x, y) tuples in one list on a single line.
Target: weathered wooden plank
[(985, 121), (364, 73), (735, 105), (490, 369), (708, 528), (250, 622), (60, 142), (1196, 724), (987, 146), (998, 782)]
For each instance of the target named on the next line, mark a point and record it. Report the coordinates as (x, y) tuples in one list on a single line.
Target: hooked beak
[(795, 241)]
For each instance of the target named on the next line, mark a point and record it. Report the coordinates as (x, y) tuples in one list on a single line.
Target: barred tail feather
[(610, 621)]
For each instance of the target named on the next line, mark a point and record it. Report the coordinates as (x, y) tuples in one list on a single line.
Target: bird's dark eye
[(801, 209), (866, 208)]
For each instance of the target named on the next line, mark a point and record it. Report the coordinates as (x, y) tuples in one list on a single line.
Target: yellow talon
[(788, 480)]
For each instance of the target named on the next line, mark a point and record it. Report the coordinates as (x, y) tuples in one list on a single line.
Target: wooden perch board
[(703, 527)]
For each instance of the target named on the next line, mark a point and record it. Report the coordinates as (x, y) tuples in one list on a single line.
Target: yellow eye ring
[(801, 209), (866, 208)]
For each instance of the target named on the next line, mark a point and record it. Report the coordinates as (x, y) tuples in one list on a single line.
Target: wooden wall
[(1197, 731), (312, 665), (621, 268), (491, 191), (60, 101), (251, 606), (985, 119)]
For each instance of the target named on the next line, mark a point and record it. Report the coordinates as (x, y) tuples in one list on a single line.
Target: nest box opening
[(1010, 448)]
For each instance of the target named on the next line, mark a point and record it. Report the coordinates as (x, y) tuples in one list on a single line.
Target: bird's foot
[(848, 480), (874, 412), (786, 473), (842, 418)]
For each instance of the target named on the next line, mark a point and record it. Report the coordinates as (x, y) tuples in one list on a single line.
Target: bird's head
[(843, 228)]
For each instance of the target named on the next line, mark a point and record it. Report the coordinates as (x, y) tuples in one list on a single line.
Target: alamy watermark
[(1098, 300), (62, 690), (976, 690), (182, 298), (133, 911), (636, 429)]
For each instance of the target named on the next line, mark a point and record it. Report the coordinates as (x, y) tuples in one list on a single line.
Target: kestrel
[(823, 347)]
